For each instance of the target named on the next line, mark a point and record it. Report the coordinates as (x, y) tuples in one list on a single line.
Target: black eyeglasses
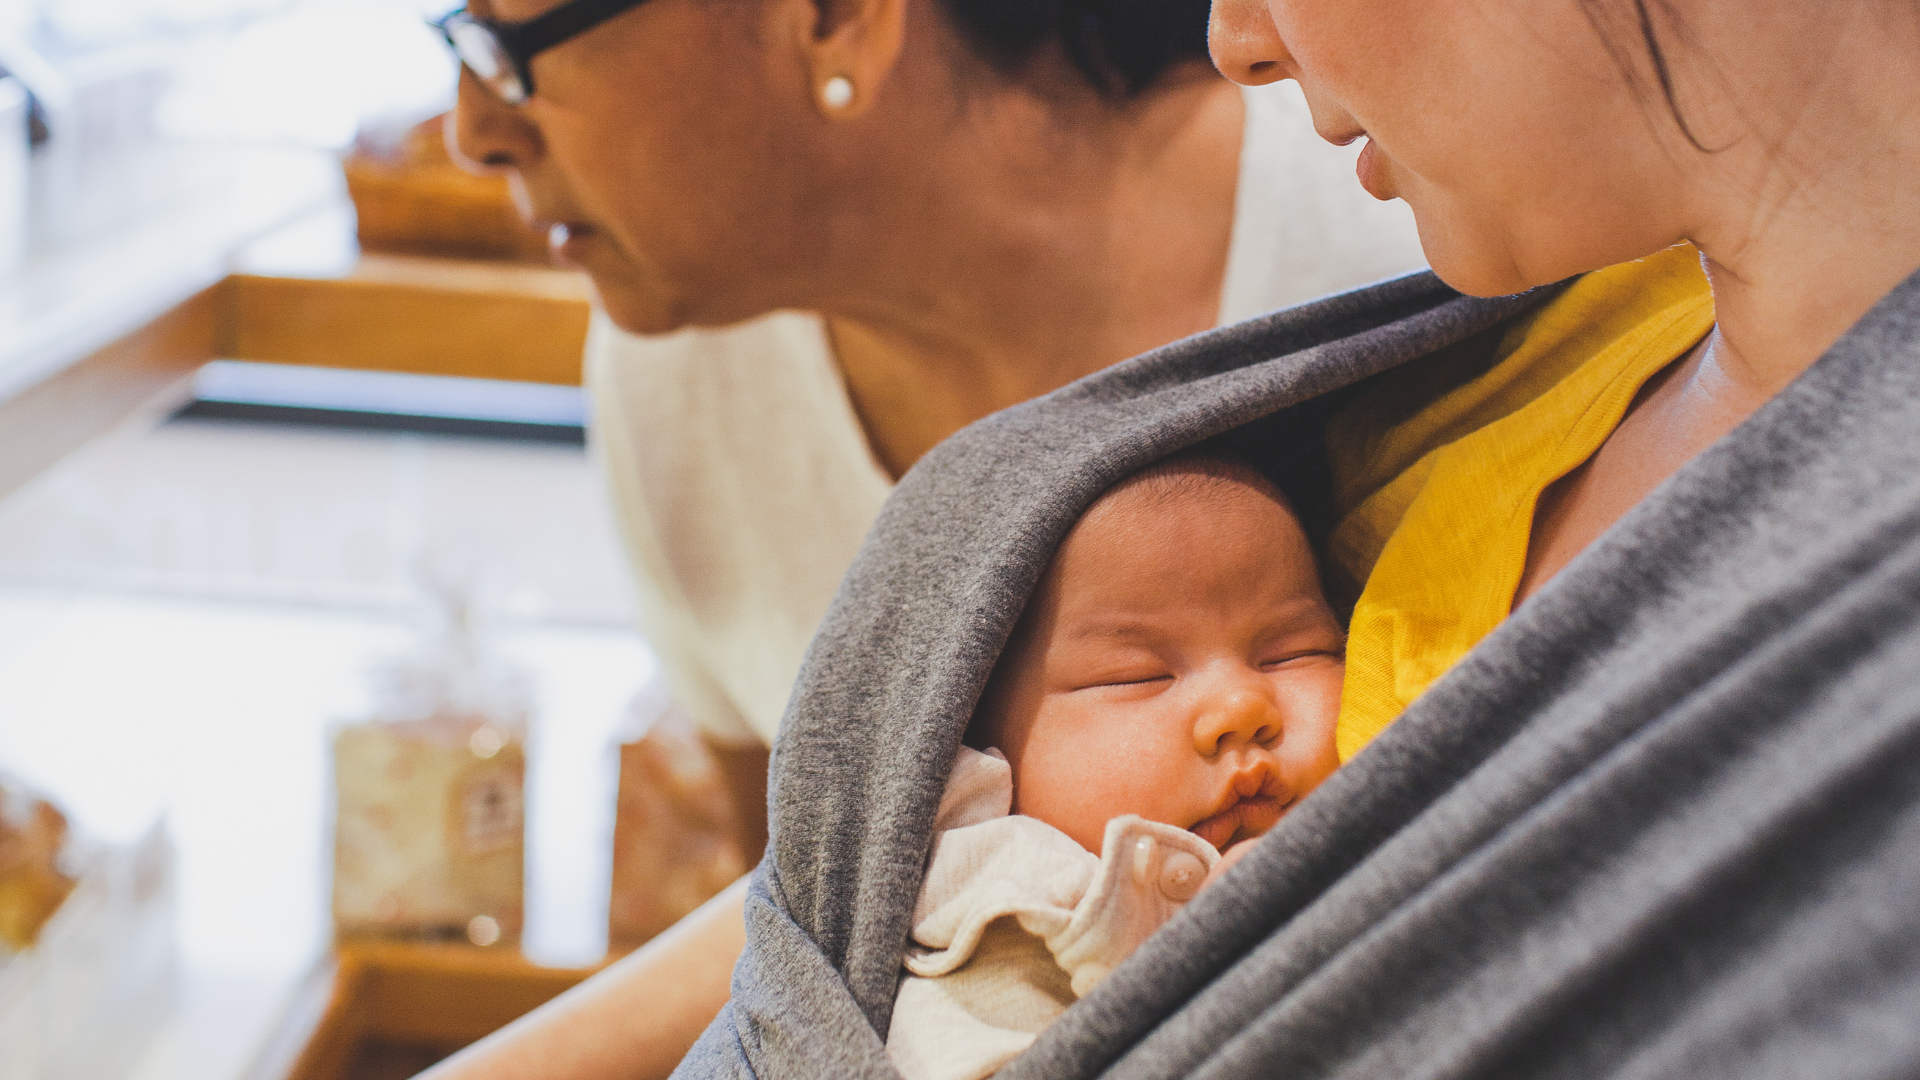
[(501, 54)]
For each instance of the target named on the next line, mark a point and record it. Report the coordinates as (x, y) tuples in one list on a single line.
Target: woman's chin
[(1472, 266), (1492, 255), (647, 304), (1463, 248), (637, 309), (1480, 281)]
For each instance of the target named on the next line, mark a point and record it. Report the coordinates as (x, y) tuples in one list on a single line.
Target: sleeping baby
[(1170, 691)]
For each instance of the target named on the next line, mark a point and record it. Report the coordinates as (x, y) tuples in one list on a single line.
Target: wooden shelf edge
[(137, 379), (470, 322), (417, 315), (442, 996)]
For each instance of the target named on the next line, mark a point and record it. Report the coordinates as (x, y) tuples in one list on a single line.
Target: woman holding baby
[(1630, 561), (1630, 774)]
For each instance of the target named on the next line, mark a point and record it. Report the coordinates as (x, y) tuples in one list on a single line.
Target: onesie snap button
[(1181, 876)]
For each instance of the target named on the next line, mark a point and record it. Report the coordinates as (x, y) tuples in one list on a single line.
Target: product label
[(491, 809)]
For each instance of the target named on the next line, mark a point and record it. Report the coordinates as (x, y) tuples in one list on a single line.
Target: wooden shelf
[(417, 314), (412, 198), (66, 304), (143, 374), (387, 1011), (109, 331)]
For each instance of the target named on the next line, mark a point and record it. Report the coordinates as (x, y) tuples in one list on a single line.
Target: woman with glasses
[(827, 234)]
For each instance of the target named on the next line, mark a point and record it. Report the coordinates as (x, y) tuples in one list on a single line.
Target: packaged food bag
[(33, 880), (429, 822), (677, 839)]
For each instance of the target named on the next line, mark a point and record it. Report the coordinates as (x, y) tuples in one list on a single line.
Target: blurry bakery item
[(411, 198), (429, 830), (677, 839), (429, 794), (33, 834)]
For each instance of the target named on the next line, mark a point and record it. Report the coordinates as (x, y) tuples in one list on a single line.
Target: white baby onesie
[(1016, 921)]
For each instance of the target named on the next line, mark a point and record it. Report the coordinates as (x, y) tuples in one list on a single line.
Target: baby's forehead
[(1181, 519), (1188, 482)]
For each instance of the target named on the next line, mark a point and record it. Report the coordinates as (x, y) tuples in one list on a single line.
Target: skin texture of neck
[(1057, 245), (1807, 215), (1804, 211)]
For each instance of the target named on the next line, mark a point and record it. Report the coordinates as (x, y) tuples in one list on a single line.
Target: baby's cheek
[(1062, 791), (1312, 702), (1079, 791), (1310, 751)]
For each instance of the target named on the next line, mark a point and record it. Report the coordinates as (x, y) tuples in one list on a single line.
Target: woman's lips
[(1372, 171)]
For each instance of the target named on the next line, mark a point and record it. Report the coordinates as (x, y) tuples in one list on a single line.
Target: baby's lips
[(1217, 829), (1259, 815), (1244, 819)]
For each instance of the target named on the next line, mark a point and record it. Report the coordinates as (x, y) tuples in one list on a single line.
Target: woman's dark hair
[(1121, 46), (1644, 17)]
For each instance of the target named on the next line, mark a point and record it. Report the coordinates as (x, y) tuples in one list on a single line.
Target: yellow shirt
[(1437, 507)]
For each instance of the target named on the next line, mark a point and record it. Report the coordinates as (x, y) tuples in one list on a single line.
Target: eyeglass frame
[(519, 43)]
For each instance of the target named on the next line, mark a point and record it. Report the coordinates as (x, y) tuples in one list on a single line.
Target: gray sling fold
[(1665, 821)]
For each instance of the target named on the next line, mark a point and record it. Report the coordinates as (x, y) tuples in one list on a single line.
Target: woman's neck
[(1055, 246), (1810, 193), (1803, 204)]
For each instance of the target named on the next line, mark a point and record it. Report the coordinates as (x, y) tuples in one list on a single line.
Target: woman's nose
[(1234, 715), (1245, 44), (487, 134)]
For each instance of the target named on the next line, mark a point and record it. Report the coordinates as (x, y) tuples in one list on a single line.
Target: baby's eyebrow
[(1118, 628)]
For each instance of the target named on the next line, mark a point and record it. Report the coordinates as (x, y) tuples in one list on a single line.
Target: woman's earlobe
[(848, 48), (836, 93)]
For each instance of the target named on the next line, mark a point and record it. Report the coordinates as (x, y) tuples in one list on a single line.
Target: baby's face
[(1178, 661)]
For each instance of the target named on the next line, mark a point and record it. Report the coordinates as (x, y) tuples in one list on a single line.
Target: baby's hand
[(1227, 858)]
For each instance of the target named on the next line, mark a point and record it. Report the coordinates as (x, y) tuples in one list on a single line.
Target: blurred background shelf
[(108, 329), (188, 600), (246, 388), (387, 1011), (418, 314), (61, 387), (65, 303)]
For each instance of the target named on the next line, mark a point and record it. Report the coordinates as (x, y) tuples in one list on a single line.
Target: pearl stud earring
[(837, 93)]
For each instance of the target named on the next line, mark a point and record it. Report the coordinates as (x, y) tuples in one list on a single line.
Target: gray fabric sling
[(1665, 821)]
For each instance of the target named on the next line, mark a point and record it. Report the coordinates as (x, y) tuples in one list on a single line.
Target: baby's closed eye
[(1302, 657), (1122, 678)]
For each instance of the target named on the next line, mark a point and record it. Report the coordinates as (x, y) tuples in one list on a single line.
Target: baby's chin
[(1243, 820)]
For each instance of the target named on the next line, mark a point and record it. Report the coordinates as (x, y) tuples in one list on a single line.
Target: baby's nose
[(1234, 717)]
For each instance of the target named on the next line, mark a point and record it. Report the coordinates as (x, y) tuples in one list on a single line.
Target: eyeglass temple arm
[(563, 22)]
